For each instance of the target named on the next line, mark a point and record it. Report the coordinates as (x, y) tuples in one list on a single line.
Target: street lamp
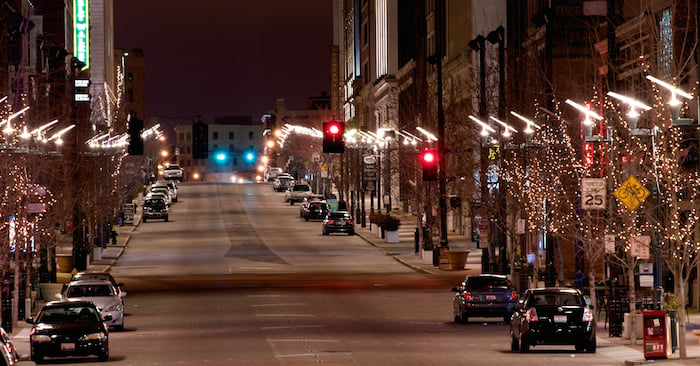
[(632, 115), (674, 104)]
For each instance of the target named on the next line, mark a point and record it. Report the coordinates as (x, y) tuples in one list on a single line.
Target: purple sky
[(227, 57)]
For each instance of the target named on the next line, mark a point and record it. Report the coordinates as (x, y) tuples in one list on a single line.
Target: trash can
[(654, 328)]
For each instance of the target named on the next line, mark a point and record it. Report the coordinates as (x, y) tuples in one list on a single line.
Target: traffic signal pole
[(442, 178)]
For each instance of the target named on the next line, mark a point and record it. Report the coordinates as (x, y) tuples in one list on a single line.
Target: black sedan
[(314, 210), (554, 315), (338, 222), (486, 295), (68, 328)]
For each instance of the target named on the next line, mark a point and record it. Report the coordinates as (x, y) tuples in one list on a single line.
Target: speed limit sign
[(593, 193)]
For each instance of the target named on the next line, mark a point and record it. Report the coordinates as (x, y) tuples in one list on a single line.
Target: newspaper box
[(654, 324)]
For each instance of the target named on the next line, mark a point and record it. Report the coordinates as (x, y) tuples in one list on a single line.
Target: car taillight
[(467, 296), (350, 222), (531, 315), (587, 315), (330, 222), (513, 296)]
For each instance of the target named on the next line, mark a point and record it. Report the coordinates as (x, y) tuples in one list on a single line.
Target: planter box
[(392, 236), (457, 258), (426, 256), (65, 262)]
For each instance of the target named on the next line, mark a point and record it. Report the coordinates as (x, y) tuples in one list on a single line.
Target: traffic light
[(429, 159), (200, 140), (333, 137), (135, 139)]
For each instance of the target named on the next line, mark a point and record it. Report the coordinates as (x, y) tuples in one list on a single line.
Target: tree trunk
[(591, 286), (680, 314), (633, 299)]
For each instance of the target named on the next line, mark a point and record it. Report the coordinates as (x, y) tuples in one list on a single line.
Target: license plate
[(491, 297), (560, 318), (67, 346)]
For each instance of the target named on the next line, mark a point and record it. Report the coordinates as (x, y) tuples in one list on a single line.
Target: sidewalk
[(616, 348)]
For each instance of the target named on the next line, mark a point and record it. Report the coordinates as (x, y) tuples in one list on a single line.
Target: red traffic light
[(429, 157), (333, 128)]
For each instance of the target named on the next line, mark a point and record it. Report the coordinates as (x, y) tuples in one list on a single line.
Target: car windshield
[(302, 188), (73, 314), (155, 203), (317, 205), (557, 299), (94, 277), (172, 167), (89, 291), (477, 283)]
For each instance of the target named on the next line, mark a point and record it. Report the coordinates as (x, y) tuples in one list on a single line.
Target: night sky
[(227, 57)]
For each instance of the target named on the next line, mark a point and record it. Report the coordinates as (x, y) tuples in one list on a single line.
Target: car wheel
[(514, 344), (524, 346), (351, 232), (145, 219), (506, 319), (291, 202), (37, 358), (103, 356), (591, 346), (166, 218), (306, 218), (325, 232)]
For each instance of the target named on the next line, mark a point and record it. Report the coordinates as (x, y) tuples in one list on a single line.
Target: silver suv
[(172, 171), (297, 193)]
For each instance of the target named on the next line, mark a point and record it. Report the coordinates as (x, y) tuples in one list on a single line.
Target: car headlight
[(41, 338), (95, 336)]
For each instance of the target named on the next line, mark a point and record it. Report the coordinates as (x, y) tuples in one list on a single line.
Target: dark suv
[(486, 295), (155, 208), (553, 315)]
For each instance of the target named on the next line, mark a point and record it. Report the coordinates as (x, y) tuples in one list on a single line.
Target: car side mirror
[(122, 294), (455, 289), (30, 320), (120, 284)]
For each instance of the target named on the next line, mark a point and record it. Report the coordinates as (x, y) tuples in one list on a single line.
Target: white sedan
[(103, 294)]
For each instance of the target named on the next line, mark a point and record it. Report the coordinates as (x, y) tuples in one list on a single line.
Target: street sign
[(609, 244), (369, 173), (593, 193), (640, 246), (129, 209), (632, 193)]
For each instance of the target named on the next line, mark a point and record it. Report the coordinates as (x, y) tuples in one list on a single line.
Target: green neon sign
[(81, 31)]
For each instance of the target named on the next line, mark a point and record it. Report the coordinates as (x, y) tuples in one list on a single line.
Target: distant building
[(235, 146)]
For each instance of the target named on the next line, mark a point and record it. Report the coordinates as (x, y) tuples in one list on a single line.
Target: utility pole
[(442, 153)]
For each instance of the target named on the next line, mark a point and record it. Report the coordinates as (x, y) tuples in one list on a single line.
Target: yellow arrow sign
[(632, 193)]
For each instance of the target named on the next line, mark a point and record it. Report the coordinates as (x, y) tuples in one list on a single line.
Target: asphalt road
[(237, 278)]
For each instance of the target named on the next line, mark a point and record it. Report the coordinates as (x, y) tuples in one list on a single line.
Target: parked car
[(68, 328), (169, 185), (486, 295), (98, 276), (165, 191), (304, 206), (338, 222), (281, 183), (272, 173), (314, 210), (554, 315), (172, 171), (103, 294), (8, 352), (155, 208), (297, 193)]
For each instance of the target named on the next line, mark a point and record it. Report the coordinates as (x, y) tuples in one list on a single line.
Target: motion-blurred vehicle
[(486, 295), (338, 222), (103, 294), (313, 210), (172, 171), (68, 328), (8, 352), (155, 208), (553, 316), (297, 193)]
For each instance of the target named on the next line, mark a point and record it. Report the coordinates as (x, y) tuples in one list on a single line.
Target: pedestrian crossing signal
[(333, 137), (429, 160)]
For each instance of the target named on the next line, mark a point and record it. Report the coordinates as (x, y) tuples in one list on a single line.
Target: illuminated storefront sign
[(81, 31)]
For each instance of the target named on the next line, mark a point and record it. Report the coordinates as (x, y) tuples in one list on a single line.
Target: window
[(230, 135), (215, 136), (215, 147), (665, 44), (189, 136), (230, 148), (235, 161), (251, 135), (182, 136)]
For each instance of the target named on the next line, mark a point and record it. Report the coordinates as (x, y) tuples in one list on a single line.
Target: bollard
[(416, 240)]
